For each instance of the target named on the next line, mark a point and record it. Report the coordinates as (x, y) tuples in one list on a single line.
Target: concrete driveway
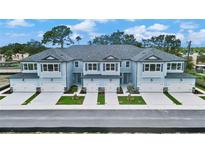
[(15, 99), (111, 99), (188, 99), (90, 99), (46, 99), (156, 99)]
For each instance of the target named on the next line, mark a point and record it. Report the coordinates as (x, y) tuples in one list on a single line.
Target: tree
[(59, 35), (78, 38), (116, 38), (168, 43)]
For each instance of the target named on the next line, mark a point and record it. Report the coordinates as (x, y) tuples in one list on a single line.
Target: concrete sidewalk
[(46, 99)]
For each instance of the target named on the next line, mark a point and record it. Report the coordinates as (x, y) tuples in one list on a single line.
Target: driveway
[(90, 99), (188, 99), (156, 99), (111, 99), (15, 99), (46, 99)]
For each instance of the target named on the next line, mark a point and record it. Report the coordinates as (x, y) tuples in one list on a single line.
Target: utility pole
[(188, 50)]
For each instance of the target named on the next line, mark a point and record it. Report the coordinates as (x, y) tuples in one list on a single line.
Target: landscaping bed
[(71, 100), (131, 100), (1, 97), (72, 89), (203, 97), (174, 100), (101, 98), (119, 90), (31, 98)]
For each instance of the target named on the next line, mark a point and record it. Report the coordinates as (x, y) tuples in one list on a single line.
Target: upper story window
[(92, 66), (50, 67), (76, 63), (174, 66), (29, 66), (152, 67), (110, 67), (127, 64)]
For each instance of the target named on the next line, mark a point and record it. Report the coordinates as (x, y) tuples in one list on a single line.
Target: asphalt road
[(102, 119)]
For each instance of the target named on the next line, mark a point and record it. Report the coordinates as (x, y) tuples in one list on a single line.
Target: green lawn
[(70, 100), (200, 87), (203, 97), (134, 100), (1, 97), (72, 89), (30, 99), (174, 100), (101, 99)]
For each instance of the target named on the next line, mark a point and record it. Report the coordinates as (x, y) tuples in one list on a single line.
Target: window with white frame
[(76, 63), (152, 67), (50, 67), (92, 66), (111, 67), (127, 64), (29, 66), (174, 66)]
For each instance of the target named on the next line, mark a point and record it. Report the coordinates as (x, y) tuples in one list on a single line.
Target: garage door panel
[(93, 85), (24, 87), (52, 87), (148, 87)]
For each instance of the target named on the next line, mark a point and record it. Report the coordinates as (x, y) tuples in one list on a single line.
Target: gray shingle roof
[(99, 52), (178, 75), (24, 76)]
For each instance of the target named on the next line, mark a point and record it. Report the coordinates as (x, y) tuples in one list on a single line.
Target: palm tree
[(78, 38)]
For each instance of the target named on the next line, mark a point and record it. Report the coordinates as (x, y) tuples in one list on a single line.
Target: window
[(179, 66), (35, 66), (127, 64), (174, 66), (94, 67), (146, 67), (158, 67), (152, 67), (45, 67), (50, 67), (25, 66), (76, 64), (30, 66), (56, 67), (168, 66), (112, 67), (107, 67), (90, 67)]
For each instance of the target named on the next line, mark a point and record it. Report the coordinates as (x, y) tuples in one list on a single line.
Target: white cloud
[(16, 34), (158, 27), (188, 25), (40, 34), (197, 37), (85, 26), (19, 22), (131, 20), (143, 32)]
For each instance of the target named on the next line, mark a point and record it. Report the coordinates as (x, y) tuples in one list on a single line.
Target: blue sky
[(21, 31)]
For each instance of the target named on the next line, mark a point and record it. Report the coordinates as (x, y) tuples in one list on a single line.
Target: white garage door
[(180, 88), (50, 87), (176, 85), (151, 87), (94, 84), (24, 87)]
